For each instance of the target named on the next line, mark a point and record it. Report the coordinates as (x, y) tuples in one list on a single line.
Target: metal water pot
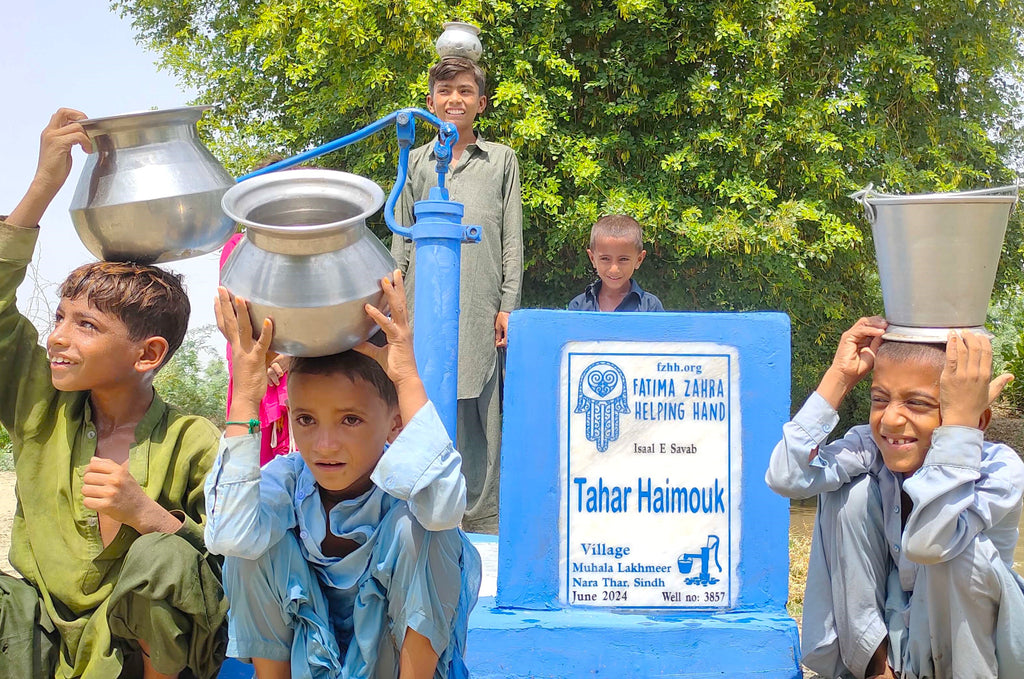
[(150, 191), (307, 260), (459, 39), (937, 257)]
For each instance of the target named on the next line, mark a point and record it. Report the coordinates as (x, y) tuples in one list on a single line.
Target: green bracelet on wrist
[(253, 424)]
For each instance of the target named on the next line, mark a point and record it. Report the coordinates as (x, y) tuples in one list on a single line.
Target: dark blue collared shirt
[(635, 300)]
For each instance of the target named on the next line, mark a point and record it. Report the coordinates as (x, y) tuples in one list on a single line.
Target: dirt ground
[(6, 517)]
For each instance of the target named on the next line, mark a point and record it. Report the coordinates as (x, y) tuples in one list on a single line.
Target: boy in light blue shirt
[(910, 571), (343, 559)]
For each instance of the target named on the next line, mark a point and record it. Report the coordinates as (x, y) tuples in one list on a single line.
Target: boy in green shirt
[(108, 534)]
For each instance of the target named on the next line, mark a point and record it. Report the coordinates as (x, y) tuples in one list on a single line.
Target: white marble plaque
[(650, 453)]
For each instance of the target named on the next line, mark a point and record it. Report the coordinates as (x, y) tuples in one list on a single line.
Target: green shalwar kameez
[(93, 599)]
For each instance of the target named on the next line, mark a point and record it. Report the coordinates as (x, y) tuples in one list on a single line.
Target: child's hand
[(966, 387), (61, 133), (501, 329), (108, 489), (276, 369), (248, 355), (855, 356), (55, 143), (396, 357)]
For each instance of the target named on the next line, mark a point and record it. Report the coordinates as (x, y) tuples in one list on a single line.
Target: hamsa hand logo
[(602, 396)]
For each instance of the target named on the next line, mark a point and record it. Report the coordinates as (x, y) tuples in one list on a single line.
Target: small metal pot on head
[(459, 39), (937, 257), (150, 191), (307, 260)]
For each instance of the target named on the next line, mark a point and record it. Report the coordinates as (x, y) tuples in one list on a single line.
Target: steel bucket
[(150, 191), (307, 260), (937, 256)]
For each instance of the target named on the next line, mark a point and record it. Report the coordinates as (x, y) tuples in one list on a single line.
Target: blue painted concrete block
[(514, 643), (235, 669), (528, 575), (527, 630)]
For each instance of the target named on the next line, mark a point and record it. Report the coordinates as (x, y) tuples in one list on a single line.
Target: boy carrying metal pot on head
[(108, 536), (343, 558), (484, 177), (910, 572)]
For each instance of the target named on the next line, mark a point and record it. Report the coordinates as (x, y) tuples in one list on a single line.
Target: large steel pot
[(150, 191), (307, 260), (937, 257)]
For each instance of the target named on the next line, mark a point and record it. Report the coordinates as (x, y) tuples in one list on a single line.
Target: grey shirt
[(965, 488), (967, 501), (486, 182)]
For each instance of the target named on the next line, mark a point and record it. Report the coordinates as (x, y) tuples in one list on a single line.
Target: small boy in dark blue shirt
[(616, 251)]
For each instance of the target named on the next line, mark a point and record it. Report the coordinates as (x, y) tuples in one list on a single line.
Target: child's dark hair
[(932, 354), (450, 68), (150, 302), (617, 226), (350, 364)]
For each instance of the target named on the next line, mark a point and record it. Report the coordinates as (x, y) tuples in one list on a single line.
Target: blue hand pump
[(438, 234)]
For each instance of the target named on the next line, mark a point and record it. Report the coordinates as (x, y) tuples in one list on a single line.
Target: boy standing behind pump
[(108, 534), (484, 177)]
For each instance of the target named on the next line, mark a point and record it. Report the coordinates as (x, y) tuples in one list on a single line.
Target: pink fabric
[(274, 406)]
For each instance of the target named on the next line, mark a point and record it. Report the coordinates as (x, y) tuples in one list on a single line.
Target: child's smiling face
[(340, 426), (457, 101), (615, 260), (91, 349), (904, 411)]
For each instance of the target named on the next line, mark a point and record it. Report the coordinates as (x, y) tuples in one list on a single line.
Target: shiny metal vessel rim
[(309, 181), (869, 198), (472, 28), (247, 196), (906, 333), (164, 116)]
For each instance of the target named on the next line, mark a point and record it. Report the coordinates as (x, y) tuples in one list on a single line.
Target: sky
[(83, 56)]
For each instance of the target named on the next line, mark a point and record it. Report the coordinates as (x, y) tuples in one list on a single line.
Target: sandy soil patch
[(6, 517)]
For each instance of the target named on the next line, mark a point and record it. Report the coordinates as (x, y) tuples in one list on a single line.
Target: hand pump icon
[(686, 564)]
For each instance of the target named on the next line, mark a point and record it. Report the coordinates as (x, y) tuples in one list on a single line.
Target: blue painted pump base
[(510, 644), (514, 643)]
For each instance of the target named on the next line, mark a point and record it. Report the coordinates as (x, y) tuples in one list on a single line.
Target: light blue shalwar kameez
[(941, 588), (345, 617)]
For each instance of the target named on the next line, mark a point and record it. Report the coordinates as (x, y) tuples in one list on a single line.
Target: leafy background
[(732, 129)]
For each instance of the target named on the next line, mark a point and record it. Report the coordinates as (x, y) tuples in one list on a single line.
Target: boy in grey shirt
[(484, 177), (910, 568)]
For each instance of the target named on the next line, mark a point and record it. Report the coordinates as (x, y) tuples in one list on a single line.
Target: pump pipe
[(438, 233)]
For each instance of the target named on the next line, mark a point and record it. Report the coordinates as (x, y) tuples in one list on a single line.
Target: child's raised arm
[(960, 490), (855, 356), (396, 357), (248, 359), (60, 134)]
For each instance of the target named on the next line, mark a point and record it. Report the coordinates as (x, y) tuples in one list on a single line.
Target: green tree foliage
[(196, 377), (1006, 319), (732, 129), (6, 451)]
